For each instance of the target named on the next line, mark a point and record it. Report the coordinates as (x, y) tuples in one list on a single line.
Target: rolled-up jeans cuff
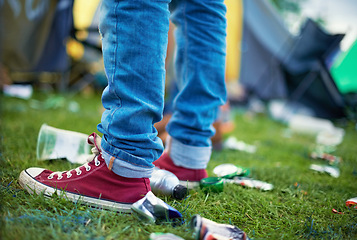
[(125, 169), (191, 157)]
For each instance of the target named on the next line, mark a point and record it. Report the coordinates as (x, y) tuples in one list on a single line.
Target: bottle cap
[(180, 192), (212, 184)]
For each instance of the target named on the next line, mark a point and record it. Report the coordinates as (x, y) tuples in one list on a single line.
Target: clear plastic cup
[(54, 143)]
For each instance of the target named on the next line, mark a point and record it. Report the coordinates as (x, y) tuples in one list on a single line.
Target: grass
[(299, 207)]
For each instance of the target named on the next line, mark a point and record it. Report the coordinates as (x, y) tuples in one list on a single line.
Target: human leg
[(134, 50), (200, 69), (134, 35)]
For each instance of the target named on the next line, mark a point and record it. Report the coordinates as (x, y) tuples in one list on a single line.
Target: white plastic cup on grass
[(54, 143)]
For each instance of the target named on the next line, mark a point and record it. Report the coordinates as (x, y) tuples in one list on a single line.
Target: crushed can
[(152, 209), (205, 229)]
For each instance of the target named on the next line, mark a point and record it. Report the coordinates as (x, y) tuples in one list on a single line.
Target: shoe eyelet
[(88, 168), (97, 163), (79, 172), (60, 177), (69, 175), (50, 177)]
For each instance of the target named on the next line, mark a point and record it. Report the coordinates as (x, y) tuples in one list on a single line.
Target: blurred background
[(284, 57)]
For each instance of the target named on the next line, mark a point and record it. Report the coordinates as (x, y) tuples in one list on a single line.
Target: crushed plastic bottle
[(166, 183)]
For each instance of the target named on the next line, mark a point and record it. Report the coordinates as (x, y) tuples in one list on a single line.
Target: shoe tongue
[(95, 140)]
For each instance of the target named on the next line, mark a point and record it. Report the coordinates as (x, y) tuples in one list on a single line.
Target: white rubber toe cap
[(34, 171)]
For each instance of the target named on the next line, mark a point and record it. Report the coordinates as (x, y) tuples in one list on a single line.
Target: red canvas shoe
[(92, 183), (188, 177)]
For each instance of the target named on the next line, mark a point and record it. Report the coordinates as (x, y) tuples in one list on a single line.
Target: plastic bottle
[(166, 183)]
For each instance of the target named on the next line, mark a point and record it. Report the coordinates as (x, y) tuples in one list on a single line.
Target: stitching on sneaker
[(111, 163)]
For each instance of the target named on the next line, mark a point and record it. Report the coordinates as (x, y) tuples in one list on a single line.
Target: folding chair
[(308, 79)]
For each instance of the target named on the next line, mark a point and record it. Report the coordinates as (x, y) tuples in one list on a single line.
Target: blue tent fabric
[(54, 57), (33, 36), (265, 44), (312, 45), (307, 76), (277, 65)]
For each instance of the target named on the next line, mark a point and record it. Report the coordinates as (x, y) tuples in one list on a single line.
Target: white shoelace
[(78, 170)]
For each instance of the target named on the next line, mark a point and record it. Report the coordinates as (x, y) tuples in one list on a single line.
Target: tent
[(344, 70), (278, 65), (35, 35)]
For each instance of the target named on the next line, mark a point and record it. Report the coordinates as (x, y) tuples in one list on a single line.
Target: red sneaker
[(188, 177), (92, 183)]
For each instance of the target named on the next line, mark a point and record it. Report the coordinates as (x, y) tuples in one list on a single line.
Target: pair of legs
[(134, 97), (134, 39)]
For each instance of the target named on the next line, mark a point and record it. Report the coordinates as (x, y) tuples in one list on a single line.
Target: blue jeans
[(134, 42)]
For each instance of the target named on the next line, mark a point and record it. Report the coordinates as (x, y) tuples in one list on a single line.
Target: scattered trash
[(73, 106), (53, 102), (164, 236), (251, 183), (310, 125), (282, 110), (294, 190), (352, 202), (228, 170), (331, 137), (324, 149), (230, 173), (337, 212), (212, 184), (215, 184), (153, 210), (166, 183), (54, 143), (205, 229), (333, 171), (331, 159), (233, 144), (23, 91)]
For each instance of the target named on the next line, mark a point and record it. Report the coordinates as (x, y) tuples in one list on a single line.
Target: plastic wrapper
[(331, 159), (332, 171), (251, 183), (152, 209), (352, 202), (230, 173), (205, 229), (233, 144)]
